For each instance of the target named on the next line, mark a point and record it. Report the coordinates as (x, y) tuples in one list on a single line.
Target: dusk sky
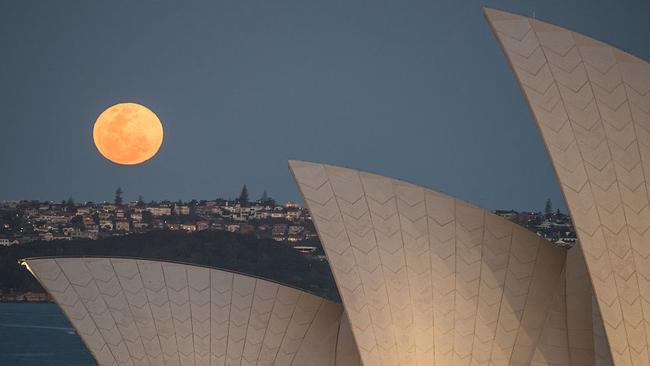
[(417, 90)]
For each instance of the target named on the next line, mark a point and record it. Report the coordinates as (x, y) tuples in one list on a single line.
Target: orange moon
[(128, 133)]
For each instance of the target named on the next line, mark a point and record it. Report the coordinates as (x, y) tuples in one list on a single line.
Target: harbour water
[(39, 334)]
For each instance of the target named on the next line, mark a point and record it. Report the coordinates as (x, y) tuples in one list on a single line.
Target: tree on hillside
[(265, 200), (118, 196), (548, 208), (193, 204), (243, 196)]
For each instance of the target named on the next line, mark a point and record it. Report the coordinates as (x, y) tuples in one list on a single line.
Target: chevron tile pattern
[(582, 314), (573, 332), (140, 312), (428, 279), (592, 105), (553, 346)]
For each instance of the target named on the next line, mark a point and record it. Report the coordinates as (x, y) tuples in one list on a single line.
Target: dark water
[(39, 334)]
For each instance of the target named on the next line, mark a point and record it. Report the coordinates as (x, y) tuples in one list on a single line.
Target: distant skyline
[(242, 87)]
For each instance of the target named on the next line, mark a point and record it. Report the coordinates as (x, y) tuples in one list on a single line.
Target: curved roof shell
[(428, 279), (143, 312), (591, 102)]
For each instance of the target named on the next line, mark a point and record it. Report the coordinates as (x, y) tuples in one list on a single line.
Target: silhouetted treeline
[(242, 253)]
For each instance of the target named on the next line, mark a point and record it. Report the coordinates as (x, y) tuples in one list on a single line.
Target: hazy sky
[(417, 90)]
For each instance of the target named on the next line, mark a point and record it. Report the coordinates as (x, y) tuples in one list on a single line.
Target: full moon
[(128, 133)]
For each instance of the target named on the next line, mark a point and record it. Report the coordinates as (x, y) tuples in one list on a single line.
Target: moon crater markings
[(128, 133)]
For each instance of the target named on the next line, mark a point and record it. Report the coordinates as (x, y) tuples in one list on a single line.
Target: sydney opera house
[(424, 278)]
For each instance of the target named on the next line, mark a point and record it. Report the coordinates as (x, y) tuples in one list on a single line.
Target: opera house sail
[(429, 279), (142, 312), (592, 106)]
